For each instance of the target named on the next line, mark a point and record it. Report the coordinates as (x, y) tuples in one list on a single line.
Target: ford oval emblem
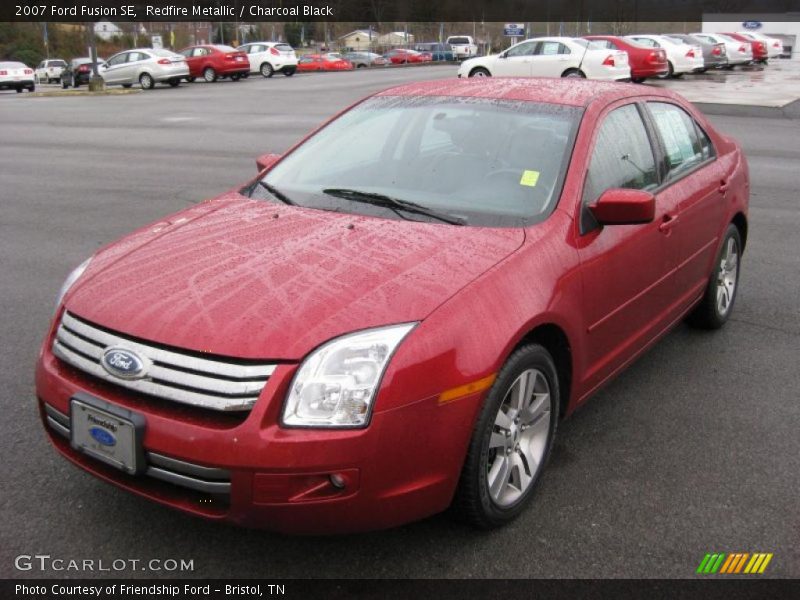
[(751, 25), (123, 363), (101, 436)]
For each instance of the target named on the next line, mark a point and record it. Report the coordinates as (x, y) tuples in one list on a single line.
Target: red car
[(214, 61), (401, 56), (366, 343), (760, 52), (323, 62), (644, 61)]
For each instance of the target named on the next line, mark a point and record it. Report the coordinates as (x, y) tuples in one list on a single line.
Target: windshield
[(481, 161)]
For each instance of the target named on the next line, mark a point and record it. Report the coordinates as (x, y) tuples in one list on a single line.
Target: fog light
[(337, 481)]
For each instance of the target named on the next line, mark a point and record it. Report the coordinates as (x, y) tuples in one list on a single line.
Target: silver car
[(145, 66), (738, 53)]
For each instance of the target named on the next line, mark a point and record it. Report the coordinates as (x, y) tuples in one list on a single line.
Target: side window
[(682, 143), (118, 59), (647, 42), (622, 157), (552, 48), (706, 146), (523, 49)]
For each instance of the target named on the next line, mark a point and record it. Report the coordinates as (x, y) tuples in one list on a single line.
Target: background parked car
[(681, 58), (50, 70), (644, 61), (361, 60), (402, 56), (16, 76), (759, 48), (463, 46), (268, 58), (78, 71), (213, 61), (737, 52), (774, 46), (323, 62), (145, 66), (551, 57), (437, 51), (715, 55)]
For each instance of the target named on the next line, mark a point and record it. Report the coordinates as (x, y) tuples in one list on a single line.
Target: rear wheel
[(717, 304), (637, 79), (147, 82), (19, 90), (479, 72), (209, 75), (174, 82), (574, 73), (236, 77), (511, 440), (267, 70)]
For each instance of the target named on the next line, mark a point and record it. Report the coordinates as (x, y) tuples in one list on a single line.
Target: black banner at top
[(385, 11)]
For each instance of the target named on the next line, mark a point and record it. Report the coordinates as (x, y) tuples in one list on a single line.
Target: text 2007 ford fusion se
[(393, 317)]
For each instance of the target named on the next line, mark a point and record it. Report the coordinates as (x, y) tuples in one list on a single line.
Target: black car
[(78, 71)]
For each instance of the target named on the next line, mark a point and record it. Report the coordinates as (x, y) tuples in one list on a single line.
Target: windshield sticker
[(529, 178)]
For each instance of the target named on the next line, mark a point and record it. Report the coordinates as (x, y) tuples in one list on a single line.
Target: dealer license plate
[(96, 430)]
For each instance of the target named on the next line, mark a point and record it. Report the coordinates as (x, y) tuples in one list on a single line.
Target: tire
[(190, 79), (64, 84), (498, 478), (266, 70), (479, 72), (290, 71), (32, 88), (174, 82), (360, 66), (236, 77), (574, 73), (19, 90), (147, 82), (637, 79), (720, 296), (209, 75), (127, 85)]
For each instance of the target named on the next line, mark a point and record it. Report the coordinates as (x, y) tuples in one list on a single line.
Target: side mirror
[(503, 54), (624, 207), (266, 160)]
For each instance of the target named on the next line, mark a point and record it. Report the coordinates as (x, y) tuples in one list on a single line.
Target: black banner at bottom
[(180, 589)]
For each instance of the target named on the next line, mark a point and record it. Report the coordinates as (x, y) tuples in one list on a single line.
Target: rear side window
[(622, 156), (685, 144), (551, 48)]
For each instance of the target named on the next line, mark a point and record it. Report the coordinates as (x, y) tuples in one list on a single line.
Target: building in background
[(359, 40), (786, 31)]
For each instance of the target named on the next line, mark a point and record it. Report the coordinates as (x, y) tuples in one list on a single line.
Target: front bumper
[(278, 478)]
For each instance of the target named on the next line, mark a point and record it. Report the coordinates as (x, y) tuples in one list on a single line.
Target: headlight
[(337, 383), (71, 279)]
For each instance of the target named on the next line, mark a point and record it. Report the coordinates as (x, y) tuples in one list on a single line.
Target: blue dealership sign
[(751, 25), (513, 29)]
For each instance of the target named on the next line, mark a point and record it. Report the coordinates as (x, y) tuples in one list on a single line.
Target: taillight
[(83, 69), (690, 53), (717, 51), (760, 45), (776, 45), (164, 61), (609, 61), (28, 72), (742, 48), (3, 72), (274, 51)]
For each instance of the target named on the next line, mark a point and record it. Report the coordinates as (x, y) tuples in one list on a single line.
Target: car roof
[(568, 92)]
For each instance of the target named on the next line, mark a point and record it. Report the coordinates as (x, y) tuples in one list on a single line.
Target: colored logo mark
[(733, 563)]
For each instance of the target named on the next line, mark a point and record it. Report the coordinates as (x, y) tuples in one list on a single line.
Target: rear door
[(551, 59), (695, 183), (627, 270), (133, 67)]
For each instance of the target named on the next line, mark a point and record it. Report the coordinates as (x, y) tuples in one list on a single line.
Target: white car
[(738, 53), (681, 57), (50, 70), (145, 66), (463, 46), (268, 58), (551, 57), (17, 76), (774, 45)]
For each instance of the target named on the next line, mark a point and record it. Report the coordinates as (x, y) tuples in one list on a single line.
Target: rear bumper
[(279, 479), (234, 69), (167, 74), (12, 85), (650, 71)]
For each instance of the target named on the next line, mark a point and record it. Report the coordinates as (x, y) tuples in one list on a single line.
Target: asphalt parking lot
[(694, 449)]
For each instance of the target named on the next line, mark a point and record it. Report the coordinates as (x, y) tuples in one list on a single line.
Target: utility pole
[(96, 84)]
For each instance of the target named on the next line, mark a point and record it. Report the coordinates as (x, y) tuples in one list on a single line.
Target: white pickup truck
[(463, 46)]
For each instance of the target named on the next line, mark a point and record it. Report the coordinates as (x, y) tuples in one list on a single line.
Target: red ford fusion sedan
[(401, 328)]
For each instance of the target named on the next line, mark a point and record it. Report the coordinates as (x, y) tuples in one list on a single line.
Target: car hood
[(236, 277)]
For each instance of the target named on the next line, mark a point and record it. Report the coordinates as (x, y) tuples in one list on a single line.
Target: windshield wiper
[(276, 192), (392, 203)]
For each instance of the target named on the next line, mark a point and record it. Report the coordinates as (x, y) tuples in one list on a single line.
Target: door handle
[(667, 223), (723, 186)]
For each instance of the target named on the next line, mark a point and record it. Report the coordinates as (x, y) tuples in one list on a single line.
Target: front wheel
[(267, 71), (574, 74), (717, 304), (511, 441), (479, 72), (146, 81)]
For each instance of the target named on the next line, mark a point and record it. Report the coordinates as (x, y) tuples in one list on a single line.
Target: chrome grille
[(170, 374)]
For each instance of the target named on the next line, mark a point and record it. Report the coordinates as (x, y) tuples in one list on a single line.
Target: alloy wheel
[(727, 277), (519, 438)]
